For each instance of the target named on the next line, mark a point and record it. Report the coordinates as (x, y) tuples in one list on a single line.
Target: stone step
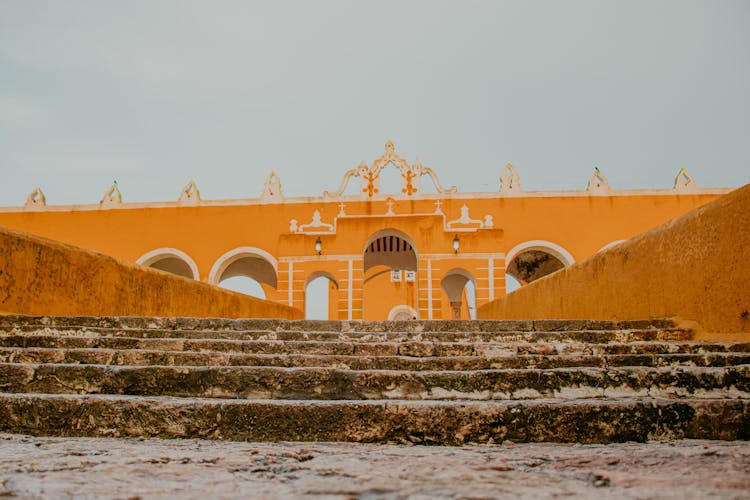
[(329, 383), (136, 357), (10, 321), (407, 422), (408, 348), (632, 335)]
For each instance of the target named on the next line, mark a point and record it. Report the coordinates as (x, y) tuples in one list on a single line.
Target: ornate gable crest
[(370, 176), (272, 188), (190, 194), (112, 196), (510, 182), (598, 184), (36, 198), (684, 182)]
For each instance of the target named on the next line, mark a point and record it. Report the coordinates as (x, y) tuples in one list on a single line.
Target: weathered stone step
[(420, 422), (650, 334), (136, 357), (129, 322), (329, 383), (410, 348)]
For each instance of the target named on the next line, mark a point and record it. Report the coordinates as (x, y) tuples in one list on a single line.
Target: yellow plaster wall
[(40, 276), (695, 267)]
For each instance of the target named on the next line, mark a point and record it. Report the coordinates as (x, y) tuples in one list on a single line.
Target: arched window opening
[(511, 283), (320, 297), (244, 284), (460, 289), (392, 249), (172, 261), (532, 260)]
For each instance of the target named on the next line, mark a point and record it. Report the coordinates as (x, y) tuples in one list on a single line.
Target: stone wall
[(41, 276), (695, 267)]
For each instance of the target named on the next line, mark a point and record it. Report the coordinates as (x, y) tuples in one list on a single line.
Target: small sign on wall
[(410, 275), (395, 275)]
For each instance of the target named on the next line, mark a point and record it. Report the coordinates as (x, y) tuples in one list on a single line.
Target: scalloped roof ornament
[(598, 184), (190, 194), (272, 188), (112, 197), (370, 176), (684, 182), (510, 182), (36, 199)]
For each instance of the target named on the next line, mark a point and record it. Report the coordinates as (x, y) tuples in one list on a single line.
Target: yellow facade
[(387, 255)]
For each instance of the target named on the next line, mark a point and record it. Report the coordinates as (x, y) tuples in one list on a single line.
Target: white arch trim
[(402, 308), (391, 232), (156, 255), (461, 272), (231, 256), (610, 245), (552, 248), (320, 274)]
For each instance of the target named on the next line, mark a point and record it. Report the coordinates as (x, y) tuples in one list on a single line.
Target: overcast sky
[(154, 93)]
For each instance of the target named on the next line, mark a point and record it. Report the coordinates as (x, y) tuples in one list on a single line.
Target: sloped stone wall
[(41, 276), (695, 267)]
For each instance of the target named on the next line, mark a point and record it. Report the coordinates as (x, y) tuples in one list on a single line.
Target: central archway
[(390, 274)]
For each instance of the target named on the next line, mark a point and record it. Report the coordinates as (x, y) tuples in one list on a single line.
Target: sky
[(155, 93)]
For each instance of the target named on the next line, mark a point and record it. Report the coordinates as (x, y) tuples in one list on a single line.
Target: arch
[(531, 260), (320, 274), (320, 303), (610, 245), (246, 261), (392, 248), (170, 260), (454, 285), (402, 309)]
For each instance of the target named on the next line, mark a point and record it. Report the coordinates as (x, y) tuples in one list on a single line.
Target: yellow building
[(409, 254)]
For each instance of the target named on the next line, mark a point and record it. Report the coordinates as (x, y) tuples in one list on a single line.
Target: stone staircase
[(426, 382)]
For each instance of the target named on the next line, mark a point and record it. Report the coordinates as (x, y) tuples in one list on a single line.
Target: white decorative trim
[(685, 183), (429, 288), (231, 256), (349, 289), (402, 308), (154, 256), (490, 278), (36, 199), (190, 194), (272, 189), (552, 248), (610, 245), (510, 182), (112, 197), (598, 184), (290, 272)]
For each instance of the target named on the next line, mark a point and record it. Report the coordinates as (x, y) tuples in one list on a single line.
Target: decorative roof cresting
[(370, 176)]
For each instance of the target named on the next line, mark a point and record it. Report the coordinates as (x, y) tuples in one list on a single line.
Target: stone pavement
[(34, 467)]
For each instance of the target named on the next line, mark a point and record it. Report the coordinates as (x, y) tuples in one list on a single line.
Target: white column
[(290, 295), (349, 292), (491, 277), (429, 288)]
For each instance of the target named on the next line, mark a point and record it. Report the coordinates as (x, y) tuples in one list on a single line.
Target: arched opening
[(390, 274), (532, 260), (172, 261), (246, 270), (402, 312), (320, 296), (511, 284), (459, 287), (243, 284)]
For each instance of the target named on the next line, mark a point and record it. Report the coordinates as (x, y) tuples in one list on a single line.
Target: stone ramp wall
[(695, 267), (41, 276)]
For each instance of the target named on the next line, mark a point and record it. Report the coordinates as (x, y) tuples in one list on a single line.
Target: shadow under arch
[(392, 248), (252, 262), (531, 260), (170, 260)]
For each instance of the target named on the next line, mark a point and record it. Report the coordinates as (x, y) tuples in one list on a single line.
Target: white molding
[(610, 245), (403, 307), (231, 256), (153, 256), (552, 248)]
